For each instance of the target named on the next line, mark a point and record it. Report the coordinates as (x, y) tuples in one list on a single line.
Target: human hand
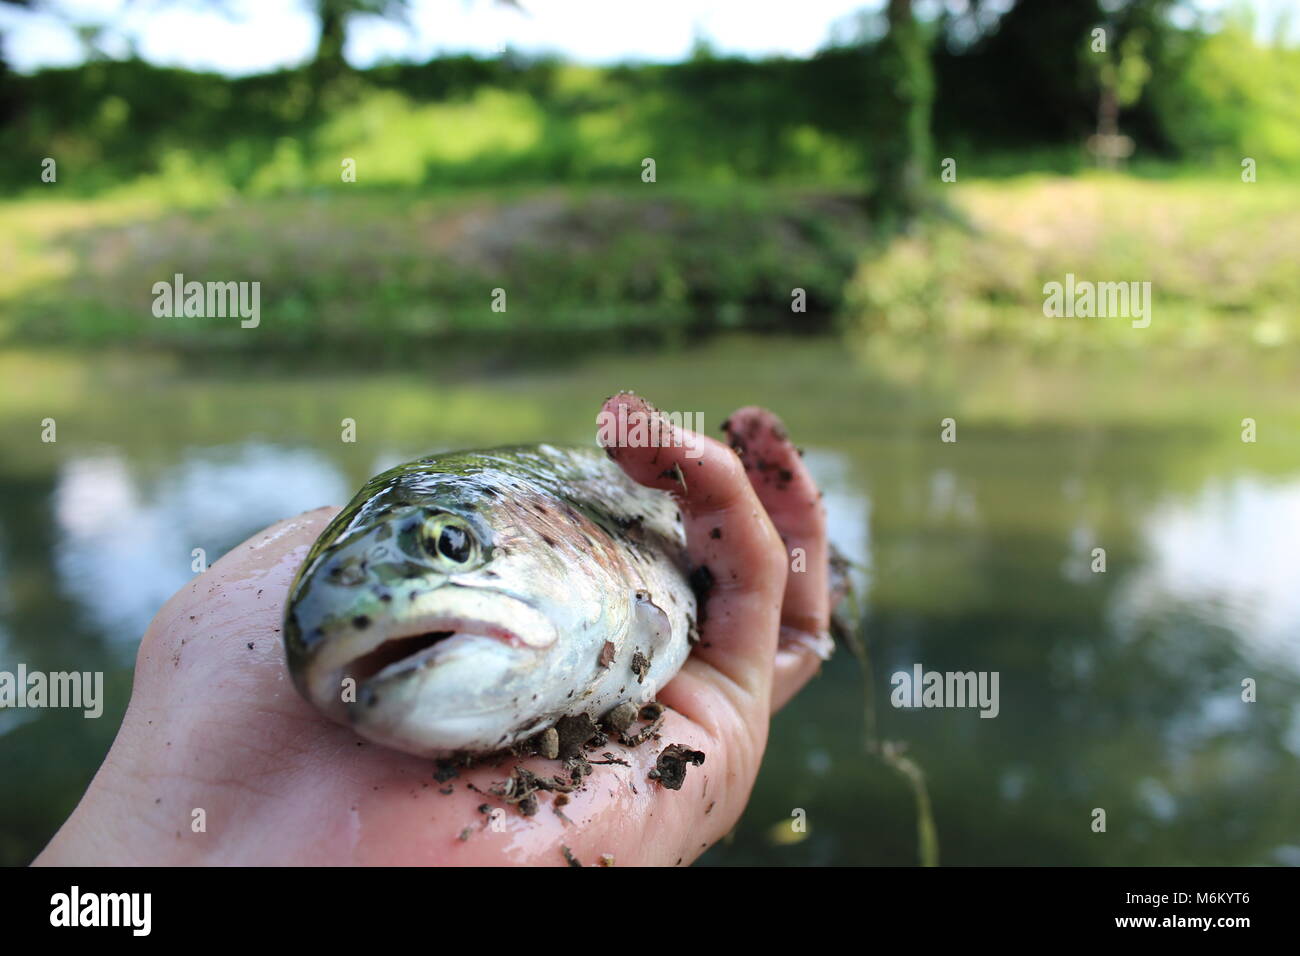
[(215, 725)]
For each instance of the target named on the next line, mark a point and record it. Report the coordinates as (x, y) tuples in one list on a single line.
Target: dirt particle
[(622, 717), (640, 666), (652, 710), (644, 734), (573, 733), (606, 654), (670, 767), (548, 743)]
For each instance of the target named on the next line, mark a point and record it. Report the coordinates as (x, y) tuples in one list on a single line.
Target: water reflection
[(848, 510), (1119, 690), (126, 540), (1230, 555)]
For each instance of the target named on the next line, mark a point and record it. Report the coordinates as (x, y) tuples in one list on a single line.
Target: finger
[(788, 493), (728, 535)]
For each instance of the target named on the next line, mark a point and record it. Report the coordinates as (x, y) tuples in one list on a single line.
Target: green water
[(1118, 690)]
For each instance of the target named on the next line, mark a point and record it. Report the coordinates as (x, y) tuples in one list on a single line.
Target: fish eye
[(449, 539)]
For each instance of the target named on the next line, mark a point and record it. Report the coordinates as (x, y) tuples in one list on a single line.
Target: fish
[(466, 602)]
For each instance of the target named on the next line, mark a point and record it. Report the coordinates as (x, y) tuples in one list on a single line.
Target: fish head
[(419, 621)]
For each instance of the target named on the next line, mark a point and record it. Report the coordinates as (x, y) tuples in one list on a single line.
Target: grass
[(1220, 255), (386, 271), (392, 269)]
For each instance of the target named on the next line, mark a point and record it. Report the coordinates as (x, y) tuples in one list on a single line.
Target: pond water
[(1119, 689)]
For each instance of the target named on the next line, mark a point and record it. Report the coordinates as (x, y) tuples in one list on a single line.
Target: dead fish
[(468, 601)]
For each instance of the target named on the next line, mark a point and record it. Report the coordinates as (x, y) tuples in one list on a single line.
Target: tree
[(334, 16), (1121, 74), (899, 161)]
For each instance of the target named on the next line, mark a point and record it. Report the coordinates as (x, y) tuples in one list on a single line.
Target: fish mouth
[(387, 651), (395, 655), (410, 646)]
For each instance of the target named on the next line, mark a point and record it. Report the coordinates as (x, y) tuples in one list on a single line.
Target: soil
[(622, 717), (640, 666), (574, 733), (670, 768), (570, 741)]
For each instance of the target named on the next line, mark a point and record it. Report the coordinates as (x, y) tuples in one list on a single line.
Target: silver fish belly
[(468, 601)]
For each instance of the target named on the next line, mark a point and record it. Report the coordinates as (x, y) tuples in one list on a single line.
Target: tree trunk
[(900, 162), (333, 31)]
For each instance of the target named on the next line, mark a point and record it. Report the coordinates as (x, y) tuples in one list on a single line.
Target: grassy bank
[(1220, 256), (398, 269), (655, 264)]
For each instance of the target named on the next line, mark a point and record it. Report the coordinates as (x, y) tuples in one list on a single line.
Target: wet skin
[(215, 724)]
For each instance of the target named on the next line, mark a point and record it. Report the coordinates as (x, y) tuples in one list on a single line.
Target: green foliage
[(393, 270), (452, 122), (1220, 257), (844, 116), (1232, 98)]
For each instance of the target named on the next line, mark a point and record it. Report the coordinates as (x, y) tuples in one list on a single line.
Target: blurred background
[(911, 173)]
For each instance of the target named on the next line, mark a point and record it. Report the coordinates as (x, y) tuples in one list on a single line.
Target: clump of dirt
[(622, 717), (570, 741), (640, 666), (670, 768), (574, 733), (522, 786)]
